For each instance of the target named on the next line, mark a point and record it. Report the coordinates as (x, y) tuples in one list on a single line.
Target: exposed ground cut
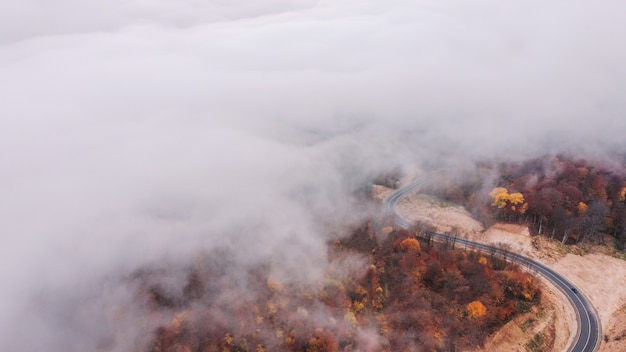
[(544, 329)]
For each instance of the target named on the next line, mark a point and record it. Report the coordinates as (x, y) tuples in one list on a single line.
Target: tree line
[(569, 199)]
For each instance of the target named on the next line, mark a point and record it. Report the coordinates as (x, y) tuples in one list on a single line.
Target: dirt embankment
[(547, 328), (599, 275)]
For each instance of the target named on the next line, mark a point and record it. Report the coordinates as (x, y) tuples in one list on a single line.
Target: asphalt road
[(588, 332)]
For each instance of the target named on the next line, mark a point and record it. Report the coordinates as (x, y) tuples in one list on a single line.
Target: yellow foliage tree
[(476, 309), (500, 195), (502, 198), (516, 198)]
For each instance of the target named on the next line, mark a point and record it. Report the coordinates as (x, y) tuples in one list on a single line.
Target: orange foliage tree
[(476, 309)]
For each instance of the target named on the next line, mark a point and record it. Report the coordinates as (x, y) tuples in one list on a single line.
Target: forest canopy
[(569, 199), (379, 293)]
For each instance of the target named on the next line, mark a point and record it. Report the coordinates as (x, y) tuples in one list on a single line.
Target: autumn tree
[(510, 203), (592, 219), (410, 245), (476, 309)]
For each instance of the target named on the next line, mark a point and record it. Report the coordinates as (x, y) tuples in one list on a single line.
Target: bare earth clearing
[(600, 276)]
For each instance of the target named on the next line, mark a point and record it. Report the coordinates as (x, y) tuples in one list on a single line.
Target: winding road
[(588, 333)]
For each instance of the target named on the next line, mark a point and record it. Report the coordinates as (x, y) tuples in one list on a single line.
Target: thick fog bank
[(143, 132)]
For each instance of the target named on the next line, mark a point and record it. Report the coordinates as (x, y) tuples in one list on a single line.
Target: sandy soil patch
[(600, 276), (615, 333), (444, 216), (380, 192), (515, 237)]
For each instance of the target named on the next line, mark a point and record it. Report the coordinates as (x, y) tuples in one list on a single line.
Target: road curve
[(588, 332)]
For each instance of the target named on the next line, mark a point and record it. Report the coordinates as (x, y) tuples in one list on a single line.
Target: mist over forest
[(141, 134)]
